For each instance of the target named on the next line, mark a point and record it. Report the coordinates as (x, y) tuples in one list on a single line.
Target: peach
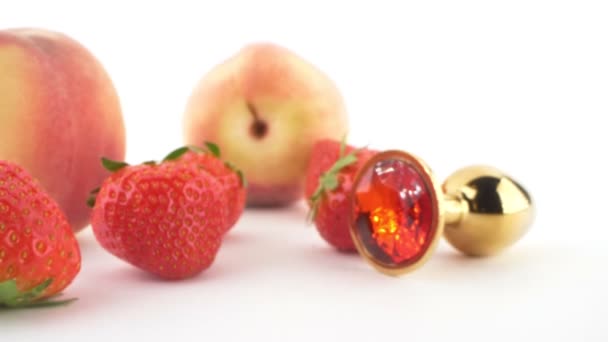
[(265, 107), (59, 113)]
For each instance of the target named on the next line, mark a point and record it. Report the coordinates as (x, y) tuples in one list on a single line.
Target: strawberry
[(165, 218), (323, 155), (331, 172), (39, 254), (232, 179)]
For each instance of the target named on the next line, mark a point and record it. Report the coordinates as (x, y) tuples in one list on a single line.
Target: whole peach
[(59, 113), (265, 107)]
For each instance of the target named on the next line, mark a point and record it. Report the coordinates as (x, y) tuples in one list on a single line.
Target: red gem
[(394, 212)]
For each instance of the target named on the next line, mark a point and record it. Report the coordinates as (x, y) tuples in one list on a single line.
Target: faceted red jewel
[(393, 213)]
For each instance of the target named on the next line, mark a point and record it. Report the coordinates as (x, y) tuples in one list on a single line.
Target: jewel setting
[(395, 213)]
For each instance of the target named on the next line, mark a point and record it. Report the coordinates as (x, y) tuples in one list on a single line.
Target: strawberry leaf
[(213, 148), (112, 165), (328, 181), (242, 178), (313, 211), (343, 162), (238, 172), (196, 149), (91, 202), (12, 297), (92, 197), (177, 153)]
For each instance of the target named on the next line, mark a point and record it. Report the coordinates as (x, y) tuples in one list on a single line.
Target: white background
[(521, 85)]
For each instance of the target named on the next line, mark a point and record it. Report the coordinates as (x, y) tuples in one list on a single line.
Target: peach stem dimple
[(259, 127)]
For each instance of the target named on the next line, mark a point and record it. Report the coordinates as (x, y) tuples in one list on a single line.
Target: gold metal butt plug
[(399, 211)]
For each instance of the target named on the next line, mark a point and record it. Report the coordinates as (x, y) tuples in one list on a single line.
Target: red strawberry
[(323, 155), (39, 255), (329, 181), (164, 218), (232, 180)]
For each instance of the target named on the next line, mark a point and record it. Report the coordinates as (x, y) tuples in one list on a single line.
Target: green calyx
[(176, 154), (209, 147), (238, 172), (11, 297), (213, 149), (112, 165), (92, 197), (328, 181)]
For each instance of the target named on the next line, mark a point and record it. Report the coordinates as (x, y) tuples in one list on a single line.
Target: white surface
[(520, 85)]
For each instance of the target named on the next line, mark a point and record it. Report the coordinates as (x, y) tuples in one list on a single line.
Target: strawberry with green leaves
[(231, 179), (39, 254), (167, 218), (329, 180)]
